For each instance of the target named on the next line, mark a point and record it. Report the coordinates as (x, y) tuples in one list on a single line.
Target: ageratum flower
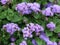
[(44, 37), (23, 8), (12, 39), (55, 8), (23, 43), (30, 28), (34, 42), (11, 28), (27, 8), (38, 28), (48, 4), (4, 1), (34, 7), (27, 33), (59, 43), (51, 43), (51, 26), (12, 43), (47, 12), (35, 27), (58, 34)]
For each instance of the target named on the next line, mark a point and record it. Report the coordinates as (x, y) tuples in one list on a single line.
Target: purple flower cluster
[(51, 10), (11, 28), (4, 1), (59, 34), (30, 28), (12, 44), (59, 43), (48, 4), (55, 8), (27, 8), (46, 39), (51, 26), (34, 42), (51, 43), (27, 33), (12, 39), (47, 12), (34, 7), (23, 43)]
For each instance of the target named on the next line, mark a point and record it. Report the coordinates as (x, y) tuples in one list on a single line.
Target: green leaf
[(25, 0), (1, 8), (56, 21), (3, 15), (57, 30), (16, 2), (29, 42), (36, 16), (48, 33), (59, 2), (53, 38), (13, 16), (39, 41), (51, 0), (19, 40)]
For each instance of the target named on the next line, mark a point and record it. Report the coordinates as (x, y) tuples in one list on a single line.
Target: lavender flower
[(11, 28), (30, 28), (12, 44), (47, 12), (4, 1), (51, 26), (44, 37), (55, 8), (34, 42), (23, 43)]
